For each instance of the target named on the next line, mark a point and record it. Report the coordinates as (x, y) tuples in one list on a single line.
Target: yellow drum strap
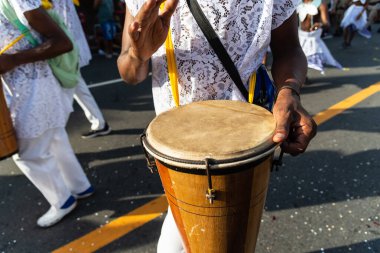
[(46, 4), (173, 71), (76, 2), (7, 47), (252, 85), (172, 65)]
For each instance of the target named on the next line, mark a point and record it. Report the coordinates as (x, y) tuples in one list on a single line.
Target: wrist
[(132, 54), (293, 88)]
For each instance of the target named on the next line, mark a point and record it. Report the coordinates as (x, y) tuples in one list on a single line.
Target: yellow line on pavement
[(345, 104), (119, 227)]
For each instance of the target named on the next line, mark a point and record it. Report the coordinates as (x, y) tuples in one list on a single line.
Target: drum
[(8, 143), (214, 160)]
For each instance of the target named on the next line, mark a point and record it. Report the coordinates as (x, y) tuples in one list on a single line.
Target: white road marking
[(119, 80)]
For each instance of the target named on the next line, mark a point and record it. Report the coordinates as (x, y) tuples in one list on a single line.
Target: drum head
[(221, 130)]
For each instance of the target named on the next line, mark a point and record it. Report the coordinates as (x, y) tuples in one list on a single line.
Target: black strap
[(217, 45)]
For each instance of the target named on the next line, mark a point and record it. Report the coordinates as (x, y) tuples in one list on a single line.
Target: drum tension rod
[(277, 162), (210, 194), (150, 163)]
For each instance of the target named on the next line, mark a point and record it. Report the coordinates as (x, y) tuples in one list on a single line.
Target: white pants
[(170, 239), (51, 165), (88, 104)]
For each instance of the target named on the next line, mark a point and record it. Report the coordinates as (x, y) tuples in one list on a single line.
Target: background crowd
[(97, 37), (93, 24)]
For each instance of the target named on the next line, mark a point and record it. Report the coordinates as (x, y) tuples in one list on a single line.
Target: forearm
[(289, 68), (324, 16), (48, 49), (289, 62), (55, 40), (132, 69)]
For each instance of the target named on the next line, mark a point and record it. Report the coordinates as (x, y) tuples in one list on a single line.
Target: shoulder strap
[(217, 45), (8, 12)]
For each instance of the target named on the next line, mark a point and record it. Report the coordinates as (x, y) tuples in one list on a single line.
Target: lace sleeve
[(282, 10), (25, 5), (22, 6)]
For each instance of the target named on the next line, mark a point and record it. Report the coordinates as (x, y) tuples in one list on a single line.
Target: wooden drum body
[(214, 164), (8, 143)]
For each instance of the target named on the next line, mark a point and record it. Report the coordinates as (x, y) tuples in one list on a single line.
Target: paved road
[(326, 200)]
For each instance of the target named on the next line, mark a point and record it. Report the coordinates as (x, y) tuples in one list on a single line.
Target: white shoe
[(54, 215)]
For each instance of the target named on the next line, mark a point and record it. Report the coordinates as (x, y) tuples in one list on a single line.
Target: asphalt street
[(326, 200)]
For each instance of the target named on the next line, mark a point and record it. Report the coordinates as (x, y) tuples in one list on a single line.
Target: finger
[(295, 147), (169, 9), (147, 8), (146, 12), (300, 138), (282, 125), (289, 150)]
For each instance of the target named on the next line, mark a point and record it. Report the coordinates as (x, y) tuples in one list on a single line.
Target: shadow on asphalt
[(317, 84), (121, 97), (321, 177), (368, 246), (348, 121)]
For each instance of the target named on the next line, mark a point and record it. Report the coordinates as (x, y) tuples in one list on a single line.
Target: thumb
[(282, 128)]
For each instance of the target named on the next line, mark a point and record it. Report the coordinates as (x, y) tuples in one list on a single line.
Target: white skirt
[(316, 51), (350, 16)]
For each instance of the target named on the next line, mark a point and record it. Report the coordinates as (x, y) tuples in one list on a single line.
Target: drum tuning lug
[(151, 168), (150, 161), (277, 162), (210, 195)]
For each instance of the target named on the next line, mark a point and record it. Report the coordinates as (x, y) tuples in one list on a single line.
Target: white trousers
[(50, 164), (88, 104), (170, 239)]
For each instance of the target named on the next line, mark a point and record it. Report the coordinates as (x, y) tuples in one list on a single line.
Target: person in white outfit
[(40, 108), (82, 94), (313, 17), (354, 20), (246, 28)]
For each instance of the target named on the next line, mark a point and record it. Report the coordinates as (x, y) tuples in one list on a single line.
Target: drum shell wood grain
[(8, 141), (231, 223)]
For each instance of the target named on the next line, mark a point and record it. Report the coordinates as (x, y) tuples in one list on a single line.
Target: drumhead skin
[(222, 131)]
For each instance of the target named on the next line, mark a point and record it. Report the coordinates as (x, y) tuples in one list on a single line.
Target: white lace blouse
[(244, 28), (66, 9), (37, 101)]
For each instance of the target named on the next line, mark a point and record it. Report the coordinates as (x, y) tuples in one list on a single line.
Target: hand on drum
[(295, 127), (150, 27)]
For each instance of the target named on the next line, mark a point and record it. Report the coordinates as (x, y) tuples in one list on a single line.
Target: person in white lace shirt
[(82, 94), (40, 109), (246, 29)]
